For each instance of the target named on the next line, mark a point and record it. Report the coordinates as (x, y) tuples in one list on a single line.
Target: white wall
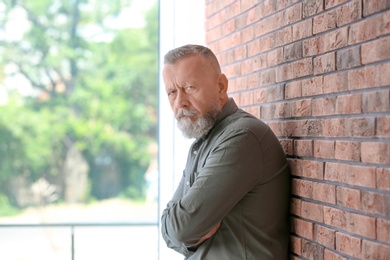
[(181, 22)]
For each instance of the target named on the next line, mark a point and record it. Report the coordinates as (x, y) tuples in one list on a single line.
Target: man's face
[(194, 93)]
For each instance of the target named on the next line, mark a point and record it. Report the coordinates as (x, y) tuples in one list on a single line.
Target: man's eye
[(171, 93), (189, 88)]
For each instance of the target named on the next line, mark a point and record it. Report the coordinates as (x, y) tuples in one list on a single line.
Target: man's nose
[(182, 99)]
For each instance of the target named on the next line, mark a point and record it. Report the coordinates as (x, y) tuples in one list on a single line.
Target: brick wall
[(318, 72)]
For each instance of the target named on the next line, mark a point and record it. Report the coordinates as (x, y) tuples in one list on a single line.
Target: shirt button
[(188, 183), (195, 152)]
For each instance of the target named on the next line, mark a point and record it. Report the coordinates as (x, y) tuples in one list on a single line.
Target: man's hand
[(208, 235)]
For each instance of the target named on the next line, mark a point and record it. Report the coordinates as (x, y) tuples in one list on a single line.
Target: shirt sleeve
[(171, 243), (232, 169)]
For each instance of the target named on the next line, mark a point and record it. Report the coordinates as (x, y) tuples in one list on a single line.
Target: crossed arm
[(231, 170)]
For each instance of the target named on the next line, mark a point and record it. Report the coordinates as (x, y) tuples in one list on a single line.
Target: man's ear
[(223, 83)]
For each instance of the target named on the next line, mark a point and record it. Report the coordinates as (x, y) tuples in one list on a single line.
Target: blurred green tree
[(93, 89)]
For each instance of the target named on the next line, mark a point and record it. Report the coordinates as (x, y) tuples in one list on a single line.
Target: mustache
[(185, 112)]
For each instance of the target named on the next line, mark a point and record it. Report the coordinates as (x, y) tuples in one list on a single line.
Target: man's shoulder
[(243, 121)]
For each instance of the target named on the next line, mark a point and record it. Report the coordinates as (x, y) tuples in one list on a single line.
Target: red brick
[(267, 112), (312, 251), (377, 101), (268, 77), (252, 81), (383, 178), (282, 110), (367, 77), (230, 27), (247, 66), (245, 5), (312, 211), (303, 67), (295, 207), (296, 245), (268, 7), (312, 86), (266, 26), (265, 95), (324, 149), (372, 77), (334, 127), (317, 109), (349, 104), (312, 169), (349, 245), (324, 22), (275, 57), (293, 89), (223, 58), (348, 58), (324, 192), (377, 50), (287, 146), (348, 197), (253, 48), (301, 128), (347, 150), (356, 79), (335, 39), (383, 230), (376, 203), (370, 7), (246, 99), (312, 46), (301, 108), (292, 14), (293, 51), (242, 83), (284, 72), (337, 82), (384, 23), (375, 152), (361, 225), (349, 13), (233, 70), (240, 53), (335, 217), (214, 34), (361, 127), (259, 62), (384, 73), (349, 174), (325, 236), (253, 15), (312, 7), (302, 30), (329, 255), (283, 36), (248, 34), (302, 188), (333, 3), (375, 251), (364, 30), (303, 228), (324, 106), (324, 63), (361, 176)]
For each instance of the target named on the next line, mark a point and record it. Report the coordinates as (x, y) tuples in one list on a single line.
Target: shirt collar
[(229, 108)]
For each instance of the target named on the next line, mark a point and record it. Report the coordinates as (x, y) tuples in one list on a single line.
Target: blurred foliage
[(94, 87)]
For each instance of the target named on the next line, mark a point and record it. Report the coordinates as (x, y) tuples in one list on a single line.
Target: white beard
[(201, 126)]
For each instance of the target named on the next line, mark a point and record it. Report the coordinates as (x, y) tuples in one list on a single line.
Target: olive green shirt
[(236, 175)]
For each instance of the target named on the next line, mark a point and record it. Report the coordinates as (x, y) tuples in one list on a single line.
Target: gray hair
[(185, 51)]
